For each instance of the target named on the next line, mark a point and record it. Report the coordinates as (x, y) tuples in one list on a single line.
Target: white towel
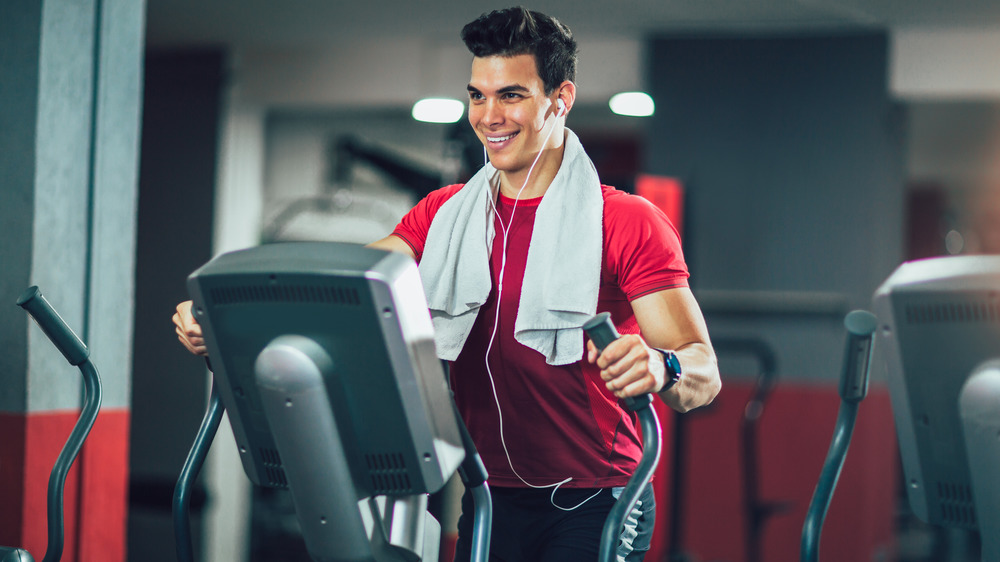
[(562, 273)]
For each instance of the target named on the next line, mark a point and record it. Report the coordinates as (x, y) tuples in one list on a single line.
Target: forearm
[(672, 320), (393, 243), (699, 383)]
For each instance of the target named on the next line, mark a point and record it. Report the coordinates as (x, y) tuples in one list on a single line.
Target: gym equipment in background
[(939, 335), (76, 352), (860, 326)]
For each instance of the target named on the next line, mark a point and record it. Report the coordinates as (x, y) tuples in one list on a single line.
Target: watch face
[(673, 366), (672, 363)]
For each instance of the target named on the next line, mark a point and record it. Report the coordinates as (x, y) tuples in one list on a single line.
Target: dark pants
[(527, 527)]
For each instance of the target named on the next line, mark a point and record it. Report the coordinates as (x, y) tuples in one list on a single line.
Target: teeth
[(501, 139)]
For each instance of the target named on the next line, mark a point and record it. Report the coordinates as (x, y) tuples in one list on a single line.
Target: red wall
[(96, 490), (794, 437)]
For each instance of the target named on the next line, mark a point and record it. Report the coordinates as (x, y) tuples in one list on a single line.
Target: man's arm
[(393, 243), (670, 319)]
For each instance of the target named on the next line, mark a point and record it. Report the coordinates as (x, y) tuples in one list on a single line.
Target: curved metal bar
[(813, 526), (189, 474), (57, 480), (651, 437), (482, 523)]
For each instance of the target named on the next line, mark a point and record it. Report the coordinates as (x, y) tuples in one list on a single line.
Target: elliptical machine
[(339, 338), (76, 352)]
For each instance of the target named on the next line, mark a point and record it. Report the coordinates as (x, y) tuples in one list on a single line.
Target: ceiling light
[(438, 110), (633, 104)]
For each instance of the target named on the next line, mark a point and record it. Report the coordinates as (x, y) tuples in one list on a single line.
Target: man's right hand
[(188, 330)]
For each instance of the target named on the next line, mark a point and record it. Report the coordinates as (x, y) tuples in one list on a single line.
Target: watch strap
[(672, 366)]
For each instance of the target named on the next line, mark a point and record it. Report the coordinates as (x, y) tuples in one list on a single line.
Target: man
[(513, 263)]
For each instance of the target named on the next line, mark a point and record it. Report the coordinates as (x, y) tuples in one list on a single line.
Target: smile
[(501, 139)]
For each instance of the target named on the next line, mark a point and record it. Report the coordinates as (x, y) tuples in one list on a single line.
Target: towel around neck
[(562, 273)]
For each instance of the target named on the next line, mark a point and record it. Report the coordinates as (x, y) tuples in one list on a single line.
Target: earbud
[(562, 108)]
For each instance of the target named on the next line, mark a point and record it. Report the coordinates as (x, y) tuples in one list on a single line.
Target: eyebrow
[(506, 89)]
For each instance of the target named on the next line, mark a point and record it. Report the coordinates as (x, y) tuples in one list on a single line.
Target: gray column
[(19, 65), (70, 99), (69, 141)]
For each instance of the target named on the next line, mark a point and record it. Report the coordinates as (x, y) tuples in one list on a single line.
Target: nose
[(492, 113)]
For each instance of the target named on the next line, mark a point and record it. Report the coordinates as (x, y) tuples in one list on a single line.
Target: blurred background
[(807, 147)]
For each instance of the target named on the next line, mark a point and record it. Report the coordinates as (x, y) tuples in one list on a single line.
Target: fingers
[(185, 321), (629, 367), (633, 382), (591, 352), (183, 317), (195, 346), (188, 330), (644, 385)]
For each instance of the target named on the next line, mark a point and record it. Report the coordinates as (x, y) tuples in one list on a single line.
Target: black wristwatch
[(673, 366)]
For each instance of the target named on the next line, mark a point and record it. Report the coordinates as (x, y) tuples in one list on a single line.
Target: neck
[(541, 175)]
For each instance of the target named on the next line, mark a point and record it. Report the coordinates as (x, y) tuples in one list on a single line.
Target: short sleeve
[(642, 247), (413, 227)]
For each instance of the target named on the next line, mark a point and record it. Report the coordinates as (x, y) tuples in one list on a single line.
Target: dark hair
[(519, 31)]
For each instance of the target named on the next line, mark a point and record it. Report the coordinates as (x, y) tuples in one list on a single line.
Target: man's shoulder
[(628, 215), (440, 196), (447, 191), (617, 202)]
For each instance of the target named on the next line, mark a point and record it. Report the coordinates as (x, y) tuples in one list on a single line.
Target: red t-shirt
[(557, 421)]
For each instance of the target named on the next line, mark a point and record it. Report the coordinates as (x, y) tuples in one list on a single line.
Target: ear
[(566, 94)]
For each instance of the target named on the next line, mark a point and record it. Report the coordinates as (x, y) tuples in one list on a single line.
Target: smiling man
[(515, 116), (513, 263)]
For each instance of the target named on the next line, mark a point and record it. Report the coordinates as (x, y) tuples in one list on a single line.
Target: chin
[(499, 161)]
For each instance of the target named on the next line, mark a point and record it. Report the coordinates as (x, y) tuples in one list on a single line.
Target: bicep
[(671, 319)]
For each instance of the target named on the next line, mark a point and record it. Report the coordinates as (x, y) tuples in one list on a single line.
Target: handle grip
[(61, 335), (860, 326), (602, 332)]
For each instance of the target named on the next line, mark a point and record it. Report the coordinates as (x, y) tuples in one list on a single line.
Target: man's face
[(510, 112)]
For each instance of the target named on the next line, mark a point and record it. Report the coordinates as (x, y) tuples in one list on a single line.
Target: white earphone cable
[(496, 322)]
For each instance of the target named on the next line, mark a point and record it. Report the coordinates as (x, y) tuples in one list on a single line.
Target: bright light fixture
[(438, 110), (633, 104)]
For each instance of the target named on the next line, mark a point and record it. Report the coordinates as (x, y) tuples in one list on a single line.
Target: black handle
[(602, 332), (860, 326), (62, 336)]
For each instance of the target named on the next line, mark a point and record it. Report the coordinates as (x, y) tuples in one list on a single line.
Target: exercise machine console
[(323, 356)]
